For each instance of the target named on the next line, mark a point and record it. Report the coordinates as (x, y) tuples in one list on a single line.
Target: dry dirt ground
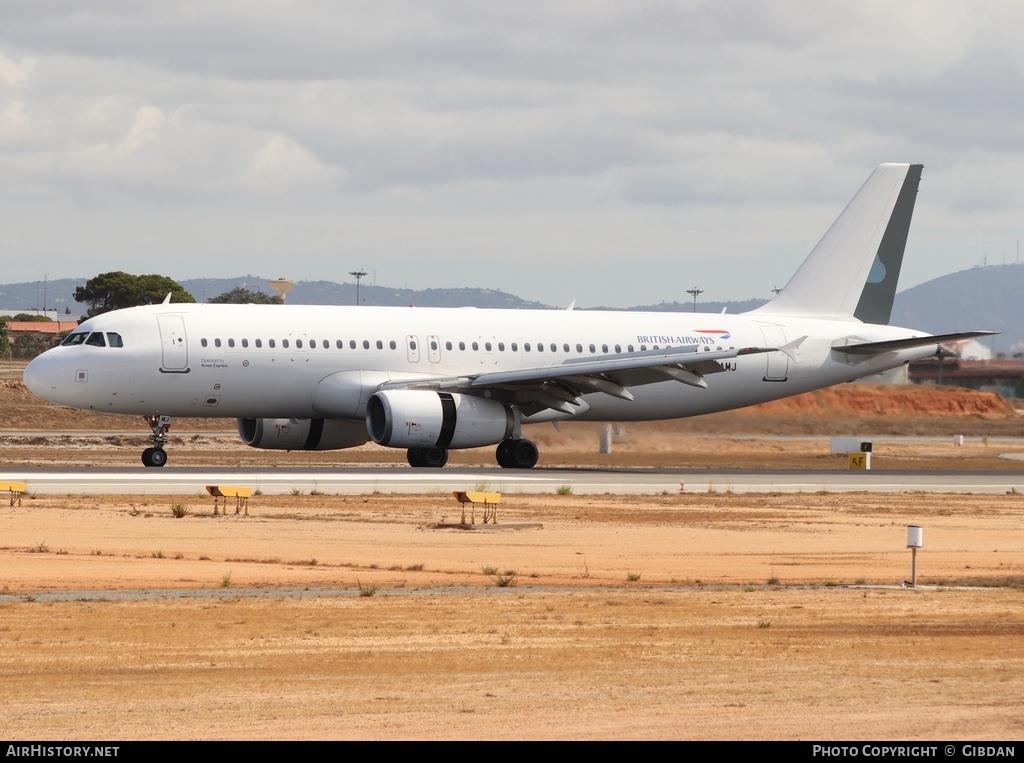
[(669, 617)]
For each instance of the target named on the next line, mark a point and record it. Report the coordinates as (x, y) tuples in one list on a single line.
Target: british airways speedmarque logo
[(699, 336)]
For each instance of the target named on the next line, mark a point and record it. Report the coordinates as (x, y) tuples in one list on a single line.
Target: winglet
[(167, 299)]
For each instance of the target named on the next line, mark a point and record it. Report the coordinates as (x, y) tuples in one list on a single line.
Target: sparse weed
[(764, 623), (158, 554), (415, 567), (296, 491), (40, 548), (632, 577), (225, 582), (773, 580), (179, 509), (134, 510), (257, 491), (489, 570), (564, 490), (508, 580), (366, 589), (482, 486)]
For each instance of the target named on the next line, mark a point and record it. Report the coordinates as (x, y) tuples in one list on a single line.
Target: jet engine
[(302, 434), (409, 418)]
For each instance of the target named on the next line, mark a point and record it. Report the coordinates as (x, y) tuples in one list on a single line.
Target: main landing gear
[(517, 454), (511, 454), (156, 456)]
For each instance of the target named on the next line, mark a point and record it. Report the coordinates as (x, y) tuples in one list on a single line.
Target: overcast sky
[(617, 153)]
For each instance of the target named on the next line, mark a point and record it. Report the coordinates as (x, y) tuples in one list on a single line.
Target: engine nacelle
[(411, 418), (302, 434)]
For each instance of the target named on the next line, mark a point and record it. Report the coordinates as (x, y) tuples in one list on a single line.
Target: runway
[(403, 479)]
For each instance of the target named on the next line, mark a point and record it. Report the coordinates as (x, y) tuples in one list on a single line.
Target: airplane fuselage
[(255, 361)]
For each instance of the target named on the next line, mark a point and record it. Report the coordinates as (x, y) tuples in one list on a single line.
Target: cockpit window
[(114, 339), (76, 338), (96, 339)]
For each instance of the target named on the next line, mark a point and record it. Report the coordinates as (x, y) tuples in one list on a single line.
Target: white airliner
[(430, 380)]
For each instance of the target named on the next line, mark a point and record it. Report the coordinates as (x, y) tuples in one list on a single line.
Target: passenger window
[(114, 339), (433, 344), (298, 344), (231, 343), (245, 343), (448, 346), (216, 342), (515, 347), (394, 346), (259, 342), (618, 348), (202, 341), (501, 347), (271, 343), (340, 345), (526, 347), (380, 345), (352, 343), (554, 347), (312, 344), (96, 339), (487, 346), (366, 344), (462, 346), (412, 344), (565, 347), (284, 343), (540, 347), (604, 348), (643, 348), (593, 349)]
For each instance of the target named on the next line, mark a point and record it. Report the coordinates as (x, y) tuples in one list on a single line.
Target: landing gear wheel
[(435, 457), (427, 457), (517, 454), (154, 457)]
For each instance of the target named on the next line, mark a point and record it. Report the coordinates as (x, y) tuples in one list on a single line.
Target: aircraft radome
[(429, 380)]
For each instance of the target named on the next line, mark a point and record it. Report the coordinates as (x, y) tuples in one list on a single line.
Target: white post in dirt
[(605, 445), (915, 540)]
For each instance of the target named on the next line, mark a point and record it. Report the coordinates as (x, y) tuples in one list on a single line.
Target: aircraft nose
[(42, 374)]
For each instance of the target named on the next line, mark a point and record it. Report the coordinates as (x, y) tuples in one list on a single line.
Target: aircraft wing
[(876, 348), (561, 385)]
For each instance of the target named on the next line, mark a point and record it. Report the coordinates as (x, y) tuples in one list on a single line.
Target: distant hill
[(988, 298), (980, 298)]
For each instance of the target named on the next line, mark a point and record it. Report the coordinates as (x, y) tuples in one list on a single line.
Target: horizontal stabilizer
[(875, 348)]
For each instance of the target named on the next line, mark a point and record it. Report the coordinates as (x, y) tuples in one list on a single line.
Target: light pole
[(694, 291), (358, 275)]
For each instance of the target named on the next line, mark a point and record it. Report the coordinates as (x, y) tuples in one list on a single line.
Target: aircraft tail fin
[(854, 269)]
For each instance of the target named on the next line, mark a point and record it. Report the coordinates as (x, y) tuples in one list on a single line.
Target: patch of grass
[(564, 490), (134, 511), (764, 624), (415, 567), (157, 554), (482, 486), (225, 582), (257, 491), (40, 548), (508, 580), (366, 589), (489, 570), (179, 509), (773, 580), (296, 491), (632, 577)]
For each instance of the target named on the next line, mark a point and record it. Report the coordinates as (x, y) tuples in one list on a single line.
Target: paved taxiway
[(403, 479)]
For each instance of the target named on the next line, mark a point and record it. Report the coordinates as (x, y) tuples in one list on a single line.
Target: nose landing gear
[(156, 456)]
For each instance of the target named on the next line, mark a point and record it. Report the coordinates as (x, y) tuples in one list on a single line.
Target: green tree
[(242, 296), (117, 290), (31, 318), (5, 338)]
